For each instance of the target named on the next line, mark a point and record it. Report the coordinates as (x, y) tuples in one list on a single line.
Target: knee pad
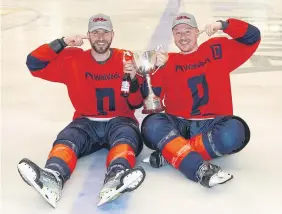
[(247, 134), (125, 131), (231, 136), (65, 151), (137, 144), (69, 137), (150, 127)]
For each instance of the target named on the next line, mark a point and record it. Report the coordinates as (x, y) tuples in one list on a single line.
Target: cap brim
[(178, 23), (100, 27)]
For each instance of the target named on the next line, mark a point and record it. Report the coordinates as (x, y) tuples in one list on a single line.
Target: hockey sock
[(62, 159), (121, 154), (197, 144), (182, 156)]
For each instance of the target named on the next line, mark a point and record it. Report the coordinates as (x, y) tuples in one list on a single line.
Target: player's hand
[(75, 40), (211, 29), (129, 67), (162, 56)]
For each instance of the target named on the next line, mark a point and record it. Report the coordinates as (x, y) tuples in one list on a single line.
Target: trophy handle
[(158, 48), (156, 69)]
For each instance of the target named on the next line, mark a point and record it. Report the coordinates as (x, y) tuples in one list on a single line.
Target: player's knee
[(246, 136), (70, 137), (232, 137), (75, 134), (130, 136), (152, 128)]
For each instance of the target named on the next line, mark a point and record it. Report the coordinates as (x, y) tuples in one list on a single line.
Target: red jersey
[(197, 85), (94, 89)]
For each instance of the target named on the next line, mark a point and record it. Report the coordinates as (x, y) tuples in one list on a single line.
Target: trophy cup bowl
[(146, 65)]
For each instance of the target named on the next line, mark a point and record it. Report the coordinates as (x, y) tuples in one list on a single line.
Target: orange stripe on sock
[(176, 150), (198, 145), (66, 154), (121, 151)]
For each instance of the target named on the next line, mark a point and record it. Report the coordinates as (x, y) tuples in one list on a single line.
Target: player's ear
[(197, 32), (113, 34)]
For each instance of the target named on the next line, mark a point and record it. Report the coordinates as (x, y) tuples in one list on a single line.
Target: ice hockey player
[(102, 119), (198, 123)]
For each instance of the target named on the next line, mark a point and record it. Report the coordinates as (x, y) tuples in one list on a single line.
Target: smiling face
[(185, 37), (101, 40)]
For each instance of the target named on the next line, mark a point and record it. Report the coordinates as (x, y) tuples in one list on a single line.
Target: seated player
[(198, 123), (102, 119)]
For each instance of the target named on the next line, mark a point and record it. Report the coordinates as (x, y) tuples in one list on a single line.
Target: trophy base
[(152, 104)]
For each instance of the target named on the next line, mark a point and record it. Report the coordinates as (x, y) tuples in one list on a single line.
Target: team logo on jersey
[(216, 51), (192, 66), (100, 77)]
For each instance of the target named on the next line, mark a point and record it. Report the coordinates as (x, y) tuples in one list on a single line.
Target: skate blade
[(29, 179), (108, 196), (221, 178)]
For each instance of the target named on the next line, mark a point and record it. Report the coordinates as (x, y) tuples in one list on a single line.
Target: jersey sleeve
[(47, 62), (245, 40)]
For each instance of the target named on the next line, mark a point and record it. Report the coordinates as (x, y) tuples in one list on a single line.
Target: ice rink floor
[(33, 111)]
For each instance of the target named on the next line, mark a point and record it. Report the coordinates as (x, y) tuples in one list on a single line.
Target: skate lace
[(58, 179), (118, 174), (201, 171), (55, 173), (116, 177)]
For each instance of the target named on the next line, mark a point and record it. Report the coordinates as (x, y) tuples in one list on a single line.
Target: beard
[(101, 49)]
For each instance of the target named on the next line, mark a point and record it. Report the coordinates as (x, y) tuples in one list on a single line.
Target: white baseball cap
[(100, 21), (184, 18)]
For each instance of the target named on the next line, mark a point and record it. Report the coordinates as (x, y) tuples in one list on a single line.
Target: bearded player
[(198, 124), (102, 119)]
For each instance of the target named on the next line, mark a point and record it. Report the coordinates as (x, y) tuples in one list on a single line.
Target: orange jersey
[(197, 85), (94, 89)]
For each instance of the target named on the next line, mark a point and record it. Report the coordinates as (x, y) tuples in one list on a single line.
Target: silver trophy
[(146, 65)]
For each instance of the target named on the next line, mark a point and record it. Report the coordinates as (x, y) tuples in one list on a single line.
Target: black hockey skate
[(120, 181), (210, 175), (45, 181), (156, 160)]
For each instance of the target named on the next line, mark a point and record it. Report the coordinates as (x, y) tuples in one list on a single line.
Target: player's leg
[(78, 139), (160, 132), (220, 136), (178, 125), (124, 141)]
